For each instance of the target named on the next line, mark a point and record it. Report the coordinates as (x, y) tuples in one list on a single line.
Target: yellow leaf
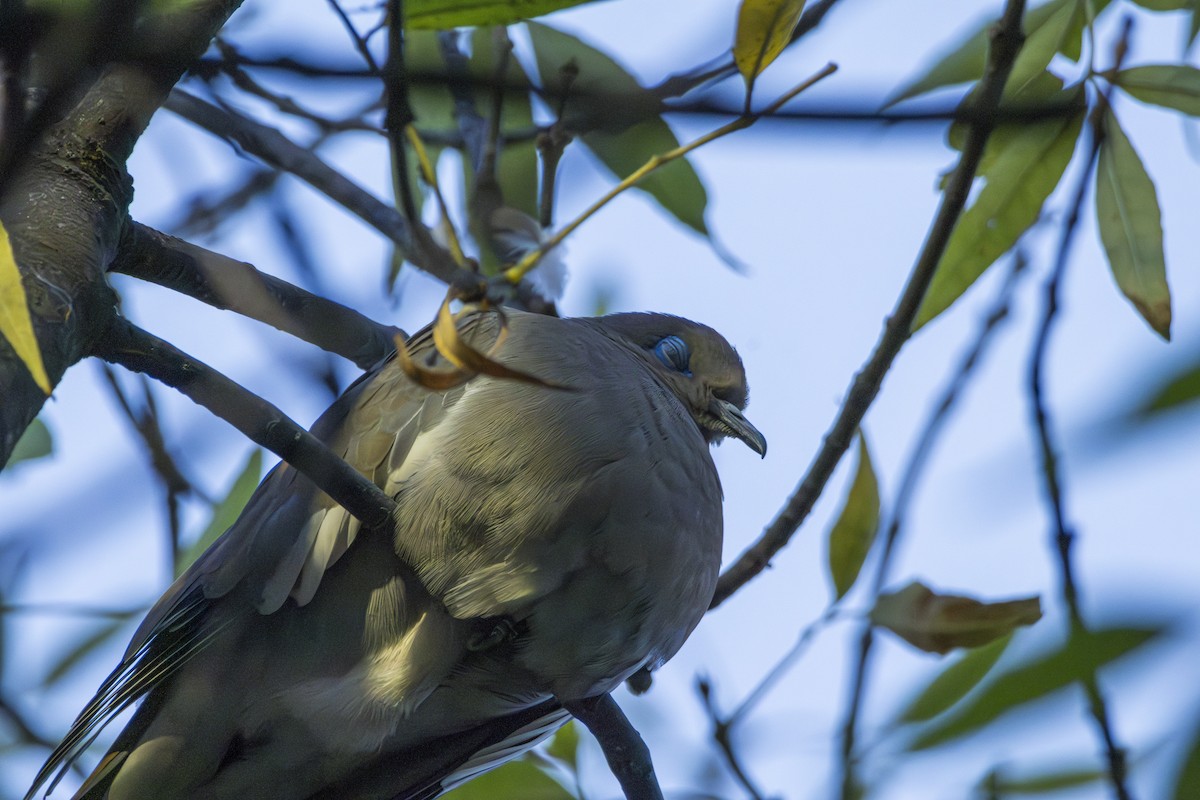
[(15, 323), (764, 29)]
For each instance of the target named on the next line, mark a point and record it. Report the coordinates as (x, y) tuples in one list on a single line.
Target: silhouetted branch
[(281, 153), (146, 423), (626, 753), (226, 283), (1007, 39), (911, 475), (1052, 472), (260, 421), (722, 732)]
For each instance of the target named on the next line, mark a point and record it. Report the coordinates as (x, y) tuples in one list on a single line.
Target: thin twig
[(360, 41), (626, 753), (429, 175), (145, 422), (398, 117), (723, 725), (278, 151), (913, 470), (458, 78), (125, 344), (518, 271), (502, 46), (679, 85), (70, 610), (286, 105), (551, 145), (1007, 39), (1052, 471), (722, 733)]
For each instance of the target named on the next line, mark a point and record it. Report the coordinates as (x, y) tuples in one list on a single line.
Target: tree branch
[(1052, 474), (226, 283), (626, 753), (261, 422), (908, 483), (279, 152), (1007, 39), (64, 204)]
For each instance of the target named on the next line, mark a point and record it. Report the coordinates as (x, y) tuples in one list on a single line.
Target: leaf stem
[(515, 273)]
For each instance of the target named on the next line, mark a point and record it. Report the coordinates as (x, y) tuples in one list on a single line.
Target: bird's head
[(703, 369)]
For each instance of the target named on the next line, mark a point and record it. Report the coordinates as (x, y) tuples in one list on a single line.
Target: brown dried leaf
[(937, 623), (437, 380), (465, 357)]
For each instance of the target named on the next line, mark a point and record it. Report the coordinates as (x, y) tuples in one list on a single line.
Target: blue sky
[(828, 219)]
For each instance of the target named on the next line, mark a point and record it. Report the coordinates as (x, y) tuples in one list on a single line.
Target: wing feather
[(288, 536)]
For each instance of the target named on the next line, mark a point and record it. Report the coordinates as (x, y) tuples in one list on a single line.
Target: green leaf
[(227, 511), (1187, 784), (516, 779), (1181, 389), (1175, 86), (937, 623), (618, 121), (443, 14), (1130, 225), (955, 681), (1023, 166), (1060, 32), (1078, 658), (1166, 5), (853, 533), (1055, 27), (564, 746), (764, 29), (34, 443), (16, 324), (1000, 785)]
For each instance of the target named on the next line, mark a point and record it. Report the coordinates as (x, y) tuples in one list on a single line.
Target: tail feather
[(425, 772)]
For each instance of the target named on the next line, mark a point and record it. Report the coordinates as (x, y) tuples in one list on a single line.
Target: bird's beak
[(730, 417)]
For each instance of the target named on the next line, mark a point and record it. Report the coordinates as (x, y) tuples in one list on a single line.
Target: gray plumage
[(548, 544)]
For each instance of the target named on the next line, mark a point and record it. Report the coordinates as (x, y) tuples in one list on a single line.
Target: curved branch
[(135, 349), (626, 753), (226, 283), (1007, 39)]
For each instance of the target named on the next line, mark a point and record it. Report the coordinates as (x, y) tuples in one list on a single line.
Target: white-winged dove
[(548, 544)]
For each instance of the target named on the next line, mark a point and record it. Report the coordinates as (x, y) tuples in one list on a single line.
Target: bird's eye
[(673, 352)]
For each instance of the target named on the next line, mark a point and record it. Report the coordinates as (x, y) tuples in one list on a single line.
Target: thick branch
[(134, 349), (66, 200), (1006, 43), (626, 753), (235, 285)]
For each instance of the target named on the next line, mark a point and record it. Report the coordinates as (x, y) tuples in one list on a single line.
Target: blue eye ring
[(673, 353)]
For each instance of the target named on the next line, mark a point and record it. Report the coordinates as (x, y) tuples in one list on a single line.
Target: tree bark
[(64, 200)]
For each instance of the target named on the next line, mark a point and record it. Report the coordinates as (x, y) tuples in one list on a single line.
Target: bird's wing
[(289, 534)]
